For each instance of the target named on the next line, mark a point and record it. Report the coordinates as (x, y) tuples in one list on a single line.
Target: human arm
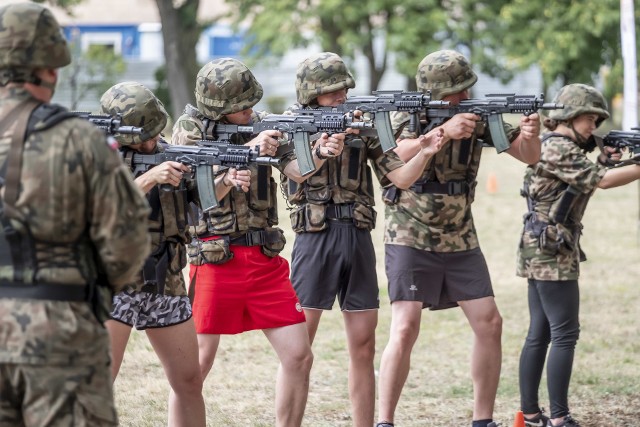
[(427, 146), (232, 178), (168, 172), (327, 146), (526, 147)]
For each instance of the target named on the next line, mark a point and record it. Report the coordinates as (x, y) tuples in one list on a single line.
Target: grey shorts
[(144, 310), (437, 279), (339, 261)]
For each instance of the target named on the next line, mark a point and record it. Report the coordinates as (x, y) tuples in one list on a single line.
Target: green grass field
[(605, 388)]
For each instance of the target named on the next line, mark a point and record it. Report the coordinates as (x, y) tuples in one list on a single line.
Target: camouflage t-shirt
[(79, 201), (439, 222), (555, 255)]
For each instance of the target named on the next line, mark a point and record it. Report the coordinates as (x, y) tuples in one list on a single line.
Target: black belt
[(44, 291), (339, 211), (451, 188), (256, 238)]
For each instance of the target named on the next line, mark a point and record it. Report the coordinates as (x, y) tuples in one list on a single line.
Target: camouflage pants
[(56, 396)]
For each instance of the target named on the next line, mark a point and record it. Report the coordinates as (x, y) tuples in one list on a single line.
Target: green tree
[(374, 28), (569, 41), (91, 72), (180, 33)]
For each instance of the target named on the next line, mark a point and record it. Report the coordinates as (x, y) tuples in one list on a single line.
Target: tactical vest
[(168, 229), (239, 212), (559, 212), (341, 189), (21, 255)]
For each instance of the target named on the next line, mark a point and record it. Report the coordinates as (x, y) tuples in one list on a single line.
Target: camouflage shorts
[(149, 310), (56, 396)]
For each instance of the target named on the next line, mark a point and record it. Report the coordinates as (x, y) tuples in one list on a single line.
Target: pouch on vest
[(390, 195), (202, 252), (364, 216), (556, 239), (273, 248)]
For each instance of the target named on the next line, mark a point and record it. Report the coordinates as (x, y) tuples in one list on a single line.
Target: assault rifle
[(623, 139), (379, 105), (296, 128), (110, 125), (491, 109), (201, 160)]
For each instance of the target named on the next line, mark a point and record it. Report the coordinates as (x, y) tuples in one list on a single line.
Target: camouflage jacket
[(169, 233), (548, 250), (78, 202), (346, 179), (238, 212), (440, 222)]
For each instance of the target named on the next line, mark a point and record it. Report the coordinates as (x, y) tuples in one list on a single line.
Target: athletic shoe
[(567, 422)]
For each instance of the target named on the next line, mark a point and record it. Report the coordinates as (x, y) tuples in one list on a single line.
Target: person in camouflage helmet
[(238, 280), (432, 256), (74, 229), (333, 254), (558, 189), (157, 300)]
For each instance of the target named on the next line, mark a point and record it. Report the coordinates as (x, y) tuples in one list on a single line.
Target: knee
[(491, 326), (405, 335), (188, 383), (567, 337), (363, 352), (300, 361)]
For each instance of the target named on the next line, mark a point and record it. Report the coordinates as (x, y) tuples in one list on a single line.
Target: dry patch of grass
[(606, 379)]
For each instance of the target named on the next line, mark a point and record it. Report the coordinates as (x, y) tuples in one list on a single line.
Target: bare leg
[(119, 337), (177, 349), (207, 348), (396, 358), (361, 340), (486, 357), (313, 320), (291, 344)]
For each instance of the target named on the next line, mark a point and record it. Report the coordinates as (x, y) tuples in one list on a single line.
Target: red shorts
[(251, 291)]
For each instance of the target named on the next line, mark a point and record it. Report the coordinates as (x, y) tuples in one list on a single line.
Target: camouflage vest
[(59, 266), (238, 212), (168, 229), (342, 189)]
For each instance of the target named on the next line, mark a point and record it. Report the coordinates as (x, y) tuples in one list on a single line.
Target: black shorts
[(339, 261), (438, 279)]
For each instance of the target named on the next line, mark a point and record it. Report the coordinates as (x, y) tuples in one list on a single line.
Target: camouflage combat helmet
[(579, 99), (138, 107), (444, 72), (225, 86), (319, 74), (30, 38)]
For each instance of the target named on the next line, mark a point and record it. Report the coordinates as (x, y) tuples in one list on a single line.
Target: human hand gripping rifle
[(110, 125), (620, 139), (379, 106), (491, 109), (201, 160), (299, 129)]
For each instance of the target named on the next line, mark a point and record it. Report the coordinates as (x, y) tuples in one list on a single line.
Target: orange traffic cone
[(492, 183), (519, 420)]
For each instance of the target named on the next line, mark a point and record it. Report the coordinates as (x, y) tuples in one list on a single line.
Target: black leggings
[(553, 308)]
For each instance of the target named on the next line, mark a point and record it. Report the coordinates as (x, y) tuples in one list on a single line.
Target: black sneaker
[(384, 425), (567, 422), (493, 424), (540, 420)]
